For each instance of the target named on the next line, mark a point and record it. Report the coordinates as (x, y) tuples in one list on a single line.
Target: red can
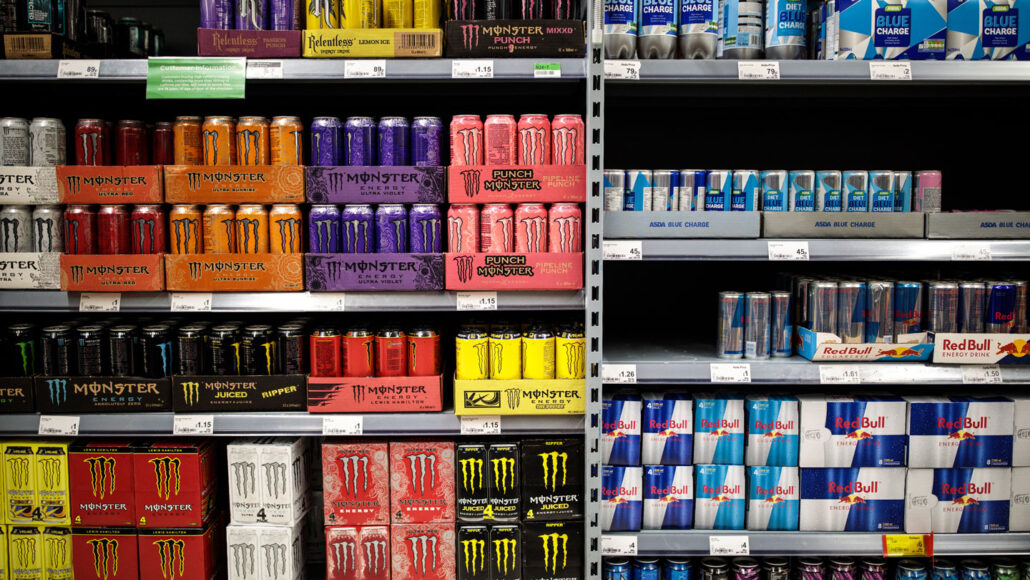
[(113, 230), (326, 353), (424, 353), (130, 143), (534, 140), (80, 230), (500, 133), (391, 353), (531, 227), (149, 233), (463, 228), (566, 225), (495, 229), (91, 142), (568, 136), (109, 142), (359, 353), (163, 150), (466, 140)]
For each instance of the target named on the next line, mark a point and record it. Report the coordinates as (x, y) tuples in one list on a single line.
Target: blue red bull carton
[(668, 497), (988, 30), (1019, 507), (826, 346), (620, 429), (668, 429), (945, 432), (621, 498), (719, 497), (719, 429), (981, 349), (1021, 432), (773, 498), (859, 431), (772, 431), (962, 501), (866, 499)]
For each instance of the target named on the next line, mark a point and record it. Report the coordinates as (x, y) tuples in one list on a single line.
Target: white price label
[(789, 251), (472, 69), (627, 70), (749, 70), (619, 545), (191, 302), (730, 373), (193, 425), (619, 374), (729, 546), (981, 375), (481, 425), (890, 71), (59, 425), (477, 301), (623, 250), (971, 252), (343, 425), (840, 375), (364, 69), (264, 69), (100, 302), (78, 69), (326, 301)]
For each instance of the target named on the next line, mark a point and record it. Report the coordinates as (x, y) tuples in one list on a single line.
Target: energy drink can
[(1004, 569), (286, 139), (219, 227), (14, 142), (394, 138), (565, 228), (746, 190), (326, 136), (944, 570), (538, 344), (714, 569), (155, 351), (690, 195), (614, 189), (90, 142), (856, 191), (531, 227), (253, 145), (785, 36), (90, 353), (879, 327), (873, 569), (974, 570), (927, 197), (47, 142), (664, 184), (718, 190), (657, 35), (500, 133), (284, 229), (398, 13), (730, 341), (472, 361), (822, 306), (811, 569), (425, 141), (505, 346), (881, 191), (292, 350), (219, 134), (640, 192), (745, 569), (258, 354), (466, 132), (646, 569), (359, 353), (757, 307), (113, 226), (620, 28), (774, 493), (187, 232), (902, 191), (570, 353), (252, 229), (851, 306), (21, 339), (667, 429), (463, 228), (423, 353), (910, 570), (801, 191), (57, 351), (189, 349), (326, 353), (780, 329), (80, 229), (718, 429), (223, 350), (321, 14), (616, 570), (620, 428), (719, 502), (496, 235), (391, 353), (568, 139), (908, 307), (942, 310), (775, 569), (842, 569), (622, 504), (391, 228), (1000, 309), (772, 431), (16, 229), (252, 14), (424, 224), (774, 190), (828, 190), (534, 140), (188, 138), (1021, 305), (357, 229), (668, 497), (674, 569)]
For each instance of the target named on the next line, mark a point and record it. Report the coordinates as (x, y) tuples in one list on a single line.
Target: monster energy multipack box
[(489, 553), (16, 395), (102, 394), (108, 553), (239, 393), (552, 479), (552, 551), (488, 489), (473, 496), (505, 483)]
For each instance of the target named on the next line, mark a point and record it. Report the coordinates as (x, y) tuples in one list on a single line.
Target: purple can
[(326, 144), (810, 569), (361, 141), (425, 141), (358, 224), (391, 229), (425, 228), (745, 569), (251, 14), (282, 14), (394, 141), (842, 569), (324, 229), (217, 14), (873, 569)]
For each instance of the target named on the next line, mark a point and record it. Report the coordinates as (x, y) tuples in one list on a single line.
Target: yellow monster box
[(35, 482)]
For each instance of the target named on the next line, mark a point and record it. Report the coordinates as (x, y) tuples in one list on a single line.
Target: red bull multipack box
[(668, 497), (1019, 507), (621, 498), (946, 432), (1021, 432), (859, 431), (620, 433), (667, 429), (964, 501), (773, 497), (720, 492), (718, 429), (772, 431), (867, 499)]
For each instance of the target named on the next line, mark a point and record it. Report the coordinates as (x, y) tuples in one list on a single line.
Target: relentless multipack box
[(175, 483), (268, 482), (239, 393), (103, 394), (179, 552), (356, 483), (422, 482), (552, 479), (108, 553), (102, 483)]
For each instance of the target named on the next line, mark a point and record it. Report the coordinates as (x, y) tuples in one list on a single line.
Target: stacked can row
[(96, 30), (318, 14), (533, 140), (507, 351), (507, 9)]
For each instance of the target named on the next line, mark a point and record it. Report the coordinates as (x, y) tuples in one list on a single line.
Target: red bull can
[(780, 328), (971, 299), (1000, 311), (1021, 304), (879, 322), (730, 340), (757, 306), (674, 569), (667, 433), (944, 570), (908, 307), (620, 428), (910, 570), (822, 306), (621, 498), (668, 497), (941, 306), (851, 305)]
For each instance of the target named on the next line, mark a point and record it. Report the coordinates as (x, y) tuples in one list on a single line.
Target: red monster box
[(355, 483), (357, 553), (171, 554), (421, 482), (175, 483), (108, 553), (101, 483), (424, 551)]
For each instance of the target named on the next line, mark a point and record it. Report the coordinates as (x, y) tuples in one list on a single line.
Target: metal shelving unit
[(830, 249)]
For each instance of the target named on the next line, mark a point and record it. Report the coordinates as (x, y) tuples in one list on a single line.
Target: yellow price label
[(907, 545)]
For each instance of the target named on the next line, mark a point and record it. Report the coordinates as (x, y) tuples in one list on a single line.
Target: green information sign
[(196, 78)]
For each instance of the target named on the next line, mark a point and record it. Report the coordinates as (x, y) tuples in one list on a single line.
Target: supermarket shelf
[(160, 424), (301, 69), (695, 543), (691, 364), (832, 249), (56, 301)]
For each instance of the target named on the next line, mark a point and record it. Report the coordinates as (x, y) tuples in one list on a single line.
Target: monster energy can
[(1004, 570), (507, 554), (58, 353), (46, 229), (121, 350), (22, 349), (47, 142), (472, 360), (15, 233), (258, 354), (472, 466), (189, 350), (505, 475), (505, 352), (472, 549), (538, 352), (223, 350), (570, 353), (292, 351), (155, 352), (90, 350), (14, 142)]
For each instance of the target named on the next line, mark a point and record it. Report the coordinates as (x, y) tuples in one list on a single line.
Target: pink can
[(466, 140), (500, 133), (113, 226), (566, 225), (534, 140), (531, 227), (495, 229), (569, 140), (463, 228), (927, 198)]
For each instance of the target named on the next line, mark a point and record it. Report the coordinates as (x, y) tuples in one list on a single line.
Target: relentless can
[(398, 13), (326, 140), (495, 229), (46, 142), (851, 311), (746, 190), (664, 185), (570, 353), (500, 133), (14, 142), (283, 15), (219, 136), (828, 191), (1000, 307), (223, 350), (873, 569), (359, 353), (286, 138), (668, 497), (357, 229), (822, 306), (774, 189), (252, 229), (719, 502), (902, 191), (614, 189), (538, 343), (690, 193), (856, 191), (427, 13), (908, 307), (285, 224), (324, 229), (394, 141), (757, 307), (730, 340), (620, 29), (667, 431), (942, 310), (292, 349), (881, 191), (91, 142), (424, 353), (113, 229), (57, 351), (463, 228), (568, 140), (425, 141), (719, 190), (321, 14), (505, 347), (391, 353), (620, 428), (148, 229), (566, 228), (325, 346), (927, 196), (780, 329), (162, 144), (219, 227), (189, 350), (657, 35), (361, 13), (785, 36), (258, 355), (800, 189), (252, 14), (879, 324), (622, 505), (155, 352), (466, 133), (253, 145), (391, 225), (534, 139), (188, 140), (472, 361)]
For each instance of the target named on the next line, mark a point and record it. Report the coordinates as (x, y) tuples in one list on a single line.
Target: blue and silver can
[(617, 570), (822, 306), (974, 570), (665, 183), (881, 191), (326, 142), (324, 229), (719, 429), (668, 497), (827, 191), (772, 431), (251, 14), (667, 433), (757, 307), (774, 190), (690, 193), (746, 190), (646, 569), (639, 190), (719, 502), (620, 428), (730, 342), (614, 189), (908, 307), (856, 190), (851, 311), (425, 141), (801, 191), (971, 302), (394, 141), (425, 222), (781, 330), (675, 569), (902, 191), (620, 28), (942, 298), (879, 319), (774, 497), (361, 134), (1000, 307), (911, 570), (719, 190), (944, 570), (785, 36), (357, 224), (622, 504), (391, 229)]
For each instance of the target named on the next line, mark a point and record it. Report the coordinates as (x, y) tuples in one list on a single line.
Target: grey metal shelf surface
[(58, 301), (691, 364), (154, 424), (695, 543), (830, 249)]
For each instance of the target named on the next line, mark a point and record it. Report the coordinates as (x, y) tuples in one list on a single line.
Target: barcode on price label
[(59, 425), (477, 301), (481, 425), (729, 546), (193, 425)]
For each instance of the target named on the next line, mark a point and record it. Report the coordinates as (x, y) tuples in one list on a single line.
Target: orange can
[(285, 224), (188, 141), (219, 229), (287, 141), (251, 229), (219, 141), (186, 229), (252, 147)]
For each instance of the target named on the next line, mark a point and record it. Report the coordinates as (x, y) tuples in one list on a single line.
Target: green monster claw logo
[(501, 550), (105, 557), (551, 462), (168, 552), (101, 475), (28, 357), (551, 549), (469, 468), (474, 550)]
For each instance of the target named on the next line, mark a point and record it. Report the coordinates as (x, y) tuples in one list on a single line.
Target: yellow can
[(25, 551), (537, 353), (472, 360), (427, 13), (52, 482), (57, 553), (570, 354), (323, 14), (361, 14), (398, 13), (505, 353)]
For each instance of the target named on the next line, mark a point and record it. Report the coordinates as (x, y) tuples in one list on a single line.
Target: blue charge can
[(881, 191), (676, 569), (827, 191), (646, 569), (617, 570)]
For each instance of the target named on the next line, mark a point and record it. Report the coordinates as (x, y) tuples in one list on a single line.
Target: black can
[(775, 569), (9, 10), (21, 349), (223, 350), (99, 27), (189, 350), (292, 351), (122, 345), (155, 352), (89, 347), (58, 351), (258, 353), (75, 13), (157, 43), (714, 569), (129, 38)]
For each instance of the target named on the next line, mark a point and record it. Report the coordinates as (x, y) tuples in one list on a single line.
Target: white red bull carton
[(772, 431), (719, 502), (826, 346), (946, 432), (1021, 432), (773, 498), (963, 501), (860, 431), (1019, 507), (718, 429), (867, 499), (981, 349)]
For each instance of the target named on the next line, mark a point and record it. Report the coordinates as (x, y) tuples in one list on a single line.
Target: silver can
[(47, 228), (14, 142), (780, 329), (1021, 322), (851, 304), (664, 183), (614, 189), (822, 306), (15, 233), (731, 325), (971, 297), (757, 310), (941, 306), (879, 321), (47, 139), (774, 190), (620, 28), (691, 189)]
